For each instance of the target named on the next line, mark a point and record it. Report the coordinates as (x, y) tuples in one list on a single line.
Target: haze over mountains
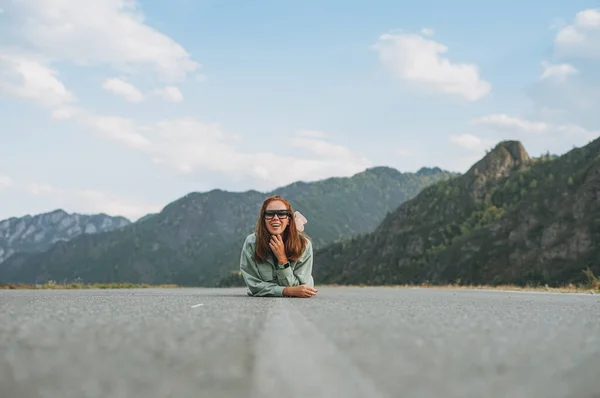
[(196, 240)]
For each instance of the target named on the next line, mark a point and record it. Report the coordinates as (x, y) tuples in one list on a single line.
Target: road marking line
[(295, 359), (196, 305)]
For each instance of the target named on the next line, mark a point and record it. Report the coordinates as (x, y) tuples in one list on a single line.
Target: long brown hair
[(294, 240)]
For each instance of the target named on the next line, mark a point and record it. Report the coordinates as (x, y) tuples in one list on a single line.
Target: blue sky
[(120, 107)]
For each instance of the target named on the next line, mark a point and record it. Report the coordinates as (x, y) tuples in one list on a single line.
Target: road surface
[(344, 342)]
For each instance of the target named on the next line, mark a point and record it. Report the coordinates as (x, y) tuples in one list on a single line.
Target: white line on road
[(296, 360), (196, 305)]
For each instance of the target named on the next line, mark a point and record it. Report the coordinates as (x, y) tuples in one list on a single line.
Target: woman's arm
[(302, 274), (249, 270)]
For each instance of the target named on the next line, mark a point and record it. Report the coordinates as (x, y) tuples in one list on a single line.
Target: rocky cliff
[(37, 233)]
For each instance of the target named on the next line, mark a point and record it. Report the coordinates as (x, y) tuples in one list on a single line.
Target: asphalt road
[(344, 342)]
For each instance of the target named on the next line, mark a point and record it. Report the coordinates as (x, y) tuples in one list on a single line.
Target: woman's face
[(277, 217)]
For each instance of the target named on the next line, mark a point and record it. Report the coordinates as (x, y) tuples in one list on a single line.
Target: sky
[(122, 106)]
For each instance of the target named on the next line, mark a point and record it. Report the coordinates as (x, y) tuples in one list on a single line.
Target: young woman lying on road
[(277, 258)]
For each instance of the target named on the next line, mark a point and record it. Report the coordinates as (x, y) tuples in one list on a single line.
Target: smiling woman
[(277, 258)]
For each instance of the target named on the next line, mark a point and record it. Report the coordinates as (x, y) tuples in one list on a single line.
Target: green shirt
[(265, 279)]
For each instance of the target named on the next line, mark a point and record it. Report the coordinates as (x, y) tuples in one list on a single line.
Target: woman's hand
[(303, 291), (278, 247)]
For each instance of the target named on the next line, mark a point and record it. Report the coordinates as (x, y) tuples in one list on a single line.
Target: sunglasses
[(282, 214)]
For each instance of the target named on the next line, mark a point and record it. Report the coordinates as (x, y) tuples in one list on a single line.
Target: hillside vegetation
[(510, 219), (197, 239)]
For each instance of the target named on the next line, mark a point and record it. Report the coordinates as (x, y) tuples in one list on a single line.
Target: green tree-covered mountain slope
[(196, 240), (509, 220)]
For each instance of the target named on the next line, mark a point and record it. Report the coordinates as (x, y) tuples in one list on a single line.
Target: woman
[(277, 258)]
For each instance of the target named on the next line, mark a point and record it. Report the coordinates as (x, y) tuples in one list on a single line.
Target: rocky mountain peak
[(501, 159), (38, 232), (496, 164)]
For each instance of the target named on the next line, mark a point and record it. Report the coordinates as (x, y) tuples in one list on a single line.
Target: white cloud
[(589, 18), (467, 141), (64, 112), (428, 31), (403, 152), (187, 145), (570, 84), (582, 37), (311, 133), (192, 146), (557, 71), (124, 89), (413, 58), (101, 32), (324, 149), (40, 189), (474, 146), (575, 130), (93, 201), (170, 93), (184, 144), (26, 77), (505, 123), (125, 131), (5, 181), (82, 200)]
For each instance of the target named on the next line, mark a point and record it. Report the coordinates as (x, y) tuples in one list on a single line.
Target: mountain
[(509, 219), (337, 208), (196, 240), (38, 233)]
